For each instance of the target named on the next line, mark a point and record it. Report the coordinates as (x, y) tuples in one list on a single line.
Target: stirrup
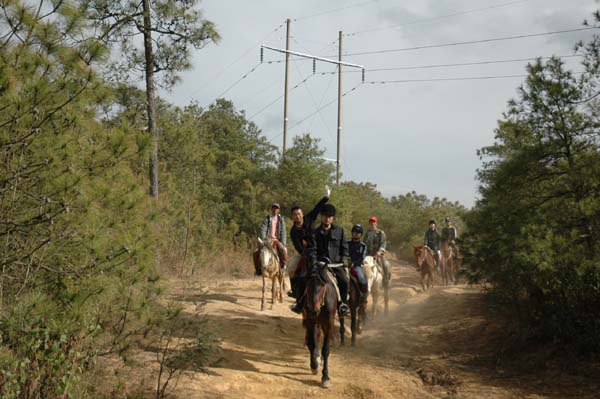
[(344, 310)]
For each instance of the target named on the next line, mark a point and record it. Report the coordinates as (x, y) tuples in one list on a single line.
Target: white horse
[(374, 276), (270, 268)]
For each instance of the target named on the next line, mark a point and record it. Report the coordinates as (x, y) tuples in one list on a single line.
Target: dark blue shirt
[(358, 251)]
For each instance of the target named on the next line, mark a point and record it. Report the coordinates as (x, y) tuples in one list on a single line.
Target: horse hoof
[(326, 383), (315, 371)]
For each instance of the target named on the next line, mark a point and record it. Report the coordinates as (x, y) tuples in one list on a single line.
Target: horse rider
[(449, 234), (375, 240), (300, 234), (328, 242), (273, 228), (432, 241), (358, 251)]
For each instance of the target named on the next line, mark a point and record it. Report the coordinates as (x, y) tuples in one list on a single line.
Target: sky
[(405, 136)]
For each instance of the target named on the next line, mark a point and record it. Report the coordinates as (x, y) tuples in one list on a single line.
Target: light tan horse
[(269, 265), (374, 277)]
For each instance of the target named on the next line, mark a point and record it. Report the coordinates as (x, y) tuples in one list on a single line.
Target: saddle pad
[(334, 281)]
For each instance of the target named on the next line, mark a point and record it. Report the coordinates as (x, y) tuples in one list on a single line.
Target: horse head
[(419, 251), (317, 283), (267, 252)]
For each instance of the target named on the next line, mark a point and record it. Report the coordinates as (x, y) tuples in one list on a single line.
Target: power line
[(213, 78), (497, 39), (334, 10), (318, 110), (373, 82), (279, 98), (244, 76), (435, 18), (431, 66)]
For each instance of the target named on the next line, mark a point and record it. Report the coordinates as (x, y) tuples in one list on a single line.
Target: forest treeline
[(534, 236), (85, 252)]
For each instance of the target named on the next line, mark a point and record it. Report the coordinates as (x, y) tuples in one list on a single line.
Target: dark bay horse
[(318, 317), (358, 311), (425, 264)]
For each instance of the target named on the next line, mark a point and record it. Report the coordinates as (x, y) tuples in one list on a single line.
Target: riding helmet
[(357, 228), (328, 210)]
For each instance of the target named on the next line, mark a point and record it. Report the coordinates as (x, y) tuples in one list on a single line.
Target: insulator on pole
[(363, 75), (262, 54), (314, 66)]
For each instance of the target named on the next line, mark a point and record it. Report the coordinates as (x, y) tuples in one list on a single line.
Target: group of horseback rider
[(325, 243), (433, 239), (328, 242)]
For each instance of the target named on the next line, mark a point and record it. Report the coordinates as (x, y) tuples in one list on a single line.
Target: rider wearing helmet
[(432, 241), (328, 244), (358, 252), (375, 240), (449, 235)]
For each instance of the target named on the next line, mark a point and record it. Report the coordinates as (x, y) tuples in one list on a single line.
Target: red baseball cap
[(373, 219)]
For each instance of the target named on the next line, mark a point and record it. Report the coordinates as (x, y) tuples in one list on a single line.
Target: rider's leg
[(300, 289), (387, 273), (342, 280), (256, 260), (362, 281), (282, 253)]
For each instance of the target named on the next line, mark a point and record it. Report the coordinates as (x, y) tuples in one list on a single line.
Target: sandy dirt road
[(433, 344)]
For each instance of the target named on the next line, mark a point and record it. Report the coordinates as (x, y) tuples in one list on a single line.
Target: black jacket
[(432, 239), (327, 244), (302, 234)]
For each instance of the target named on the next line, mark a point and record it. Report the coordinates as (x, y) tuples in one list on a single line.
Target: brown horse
[(425, 264), (450, 263), (358, 310), (318, 317), (270, 270)]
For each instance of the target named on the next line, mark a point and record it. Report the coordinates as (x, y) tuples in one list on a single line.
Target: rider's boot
[(299, 305), (293, 283), (344, 309), (364, 292)]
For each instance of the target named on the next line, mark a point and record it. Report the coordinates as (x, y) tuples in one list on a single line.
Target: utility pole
[(315, 58), (339, 115), (285, 92)]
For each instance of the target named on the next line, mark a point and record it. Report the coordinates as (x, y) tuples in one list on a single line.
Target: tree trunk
[(150, 99)]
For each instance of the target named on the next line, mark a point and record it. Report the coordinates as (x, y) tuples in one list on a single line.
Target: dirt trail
[(432, 344)]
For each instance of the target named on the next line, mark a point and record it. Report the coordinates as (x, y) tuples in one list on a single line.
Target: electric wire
[(305, 17), (453, 14), (316, 111), (496, 39), (213, 78)]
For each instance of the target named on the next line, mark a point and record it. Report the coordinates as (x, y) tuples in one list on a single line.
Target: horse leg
[(273, 290), (325, 382), (362, 317), (386, 299), (264, 289), (281, 287), (311, 334), (375, 299), (353, 323), (342, 331)]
